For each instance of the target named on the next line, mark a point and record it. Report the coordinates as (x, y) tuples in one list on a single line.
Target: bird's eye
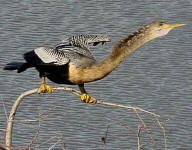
[(161, 23)]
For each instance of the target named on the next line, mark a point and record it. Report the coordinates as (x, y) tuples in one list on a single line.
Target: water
[(157, 77)]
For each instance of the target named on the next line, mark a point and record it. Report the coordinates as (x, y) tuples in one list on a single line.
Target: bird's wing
[(79, 43), (59, 57), (84, 40), (74, 50), (49, 55)]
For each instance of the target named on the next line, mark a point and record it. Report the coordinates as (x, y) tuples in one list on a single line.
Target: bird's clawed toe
[(88, 99), (44, 88)]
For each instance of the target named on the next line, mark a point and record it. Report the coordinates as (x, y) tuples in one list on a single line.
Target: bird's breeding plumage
[(80, 43), (74, 49), (71, 62), (84, 40), (51, 55), (54, 60)]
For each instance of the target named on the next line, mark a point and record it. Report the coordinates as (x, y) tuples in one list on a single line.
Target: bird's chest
[(57, 74)]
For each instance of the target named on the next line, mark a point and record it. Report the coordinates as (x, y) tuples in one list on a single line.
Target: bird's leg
[(85, 97), (44, 88)]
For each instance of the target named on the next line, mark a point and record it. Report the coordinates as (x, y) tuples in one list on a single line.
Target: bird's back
[(63, 62)]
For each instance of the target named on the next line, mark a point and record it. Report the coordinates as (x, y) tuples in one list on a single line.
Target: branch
[(41, 116), (48, 140), (106, 103), (164, 133), (8, 139), (128, 107), (34, 139), (138, 137), (5, 110), (145, 126)]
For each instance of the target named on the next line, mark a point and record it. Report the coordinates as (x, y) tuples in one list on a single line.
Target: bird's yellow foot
[(88, 99), (44, 88)]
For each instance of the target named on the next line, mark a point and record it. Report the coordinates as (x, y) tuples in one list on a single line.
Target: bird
[(71, 61)]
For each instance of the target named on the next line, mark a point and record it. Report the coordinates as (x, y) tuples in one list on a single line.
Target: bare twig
[(123, 125), (35, 137), (128, 107), (48, 140), (145, 126), (3, 136), (55, 144), (16, 104), (41, 115), (106, 103), (164, 133), (8, 139), (138, 137), (5, 110), (104, 138), (64, 147)]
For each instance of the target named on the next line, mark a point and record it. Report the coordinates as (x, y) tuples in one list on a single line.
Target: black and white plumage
[(80, 43), (72, 62), (53, 62)]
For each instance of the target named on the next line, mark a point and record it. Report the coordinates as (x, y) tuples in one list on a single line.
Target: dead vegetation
[(143, 131)]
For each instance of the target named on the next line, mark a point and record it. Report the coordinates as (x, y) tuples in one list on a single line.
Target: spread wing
[(49, 55), (80, 43), (74, 51), (84, 40), (46, 56)]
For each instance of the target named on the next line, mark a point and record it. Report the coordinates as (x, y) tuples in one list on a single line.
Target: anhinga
[(72, 63)]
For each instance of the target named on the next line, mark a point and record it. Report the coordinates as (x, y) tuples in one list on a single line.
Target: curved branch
[(10, 122), (106, 103), (8, 138)]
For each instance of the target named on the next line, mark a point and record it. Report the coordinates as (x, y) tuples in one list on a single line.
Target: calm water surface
[(157, 77)]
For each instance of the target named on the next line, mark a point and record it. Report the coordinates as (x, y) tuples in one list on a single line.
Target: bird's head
[(160, 28)]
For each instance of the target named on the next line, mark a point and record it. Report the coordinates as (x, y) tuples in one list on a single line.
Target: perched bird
[(72, 63)]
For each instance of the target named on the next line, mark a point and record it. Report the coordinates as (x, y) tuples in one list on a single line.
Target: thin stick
[(164, 134), (145, 126), (106, 103), (128, 107), (122, 125), (48, 140), (71, 90), (138, 137), (48, 111), (36, 135), (3, 136), (5, 110), (8, 139), (55, 144)]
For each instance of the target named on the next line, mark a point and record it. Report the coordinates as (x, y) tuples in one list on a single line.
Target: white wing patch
[(61, 61), (50, 55), (44, 55)]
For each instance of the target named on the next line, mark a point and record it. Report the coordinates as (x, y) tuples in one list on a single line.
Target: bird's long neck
[(124, 48), (120, 52)]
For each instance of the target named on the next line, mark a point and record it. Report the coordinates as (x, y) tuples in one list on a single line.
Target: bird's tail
[(19, 66)]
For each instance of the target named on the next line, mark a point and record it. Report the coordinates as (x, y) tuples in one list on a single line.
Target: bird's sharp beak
[(169, 26)]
